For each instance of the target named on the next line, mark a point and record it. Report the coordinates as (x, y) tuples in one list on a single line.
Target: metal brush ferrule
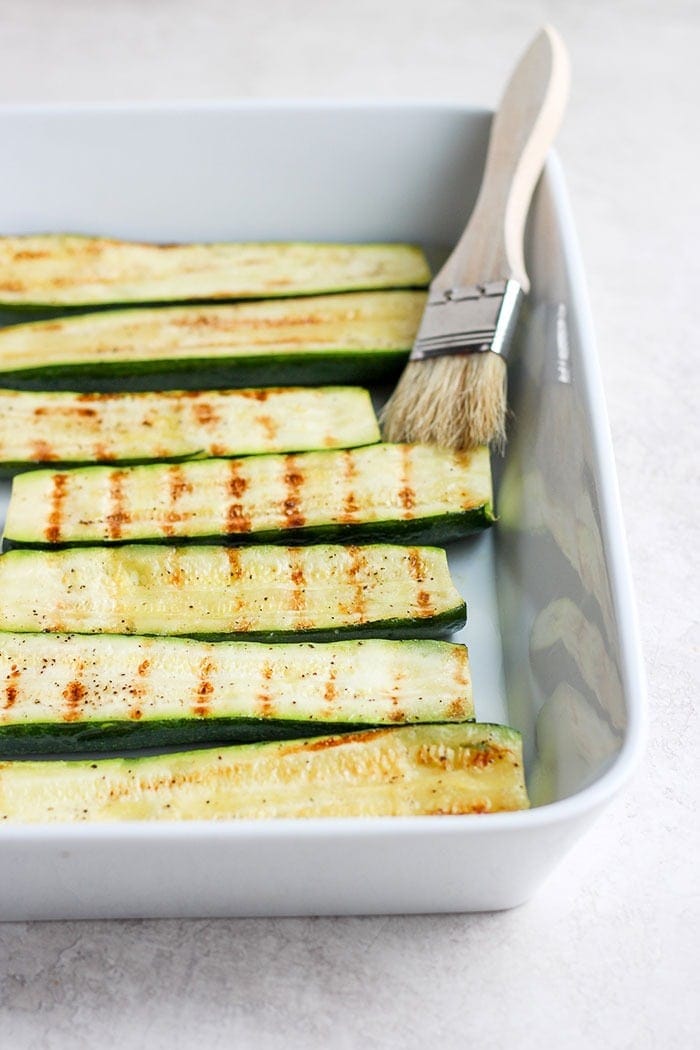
[(469, 320)]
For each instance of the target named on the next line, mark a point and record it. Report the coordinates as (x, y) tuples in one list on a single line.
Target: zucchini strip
[(397, 493), (403, 771), (327, 339), (69, 270), (267, 593), (67, 693), (72, 429)]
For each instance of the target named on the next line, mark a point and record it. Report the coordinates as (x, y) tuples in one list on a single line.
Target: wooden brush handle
[(491, 247)]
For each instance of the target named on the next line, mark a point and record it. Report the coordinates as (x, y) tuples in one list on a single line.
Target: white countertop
[(607, 954)]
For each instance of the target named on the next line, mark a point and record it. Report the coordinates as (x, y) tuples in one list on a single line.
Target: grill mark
[(205, 414), (468, 756), (178, 485), (137, 690), (357, 566), (234, 563), (294, 481), (269, 426), (236, 518), (176, 573), (407, 494), (202, 705), (350, 506), (336, 741), (457, 709), (58, 495), (297, 598), (42, 452), (396, 714), (11, 688), (264, 697), (119, 516), (74, 693), (30, 253), (330, 692), (101, 452), (416, 567), (460, 670)]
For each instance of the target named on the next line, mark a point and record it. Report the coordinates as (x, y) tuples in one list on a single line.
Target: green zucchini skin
[(73, 270), (48, 739), (377, 493), (338, 367), (64, 430), (419, 770), (435, 532), (68, 693), (265, 593)]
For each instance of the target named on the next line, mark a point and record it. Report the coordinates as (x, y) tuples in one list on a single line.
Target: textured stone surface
[(607, 954)]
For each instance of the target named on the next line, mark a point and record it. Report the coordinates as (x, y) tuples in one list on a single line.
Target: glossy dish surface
[(552, 630)]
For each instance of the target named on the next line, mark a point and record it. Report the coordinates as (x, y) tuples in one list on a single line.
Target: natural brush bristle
[(457, 402)]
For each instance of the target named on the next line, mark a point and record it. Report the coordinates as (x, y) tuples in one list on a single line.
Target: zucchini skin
[(291, 369), (435, 532), (54, 738)]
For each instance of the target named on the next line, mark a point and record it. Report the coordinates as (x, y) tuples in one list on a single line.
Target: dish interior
[(542, 628)]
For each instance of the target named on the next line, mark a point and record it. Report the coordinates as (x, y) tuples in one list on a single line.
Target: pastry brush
[(453, 389)]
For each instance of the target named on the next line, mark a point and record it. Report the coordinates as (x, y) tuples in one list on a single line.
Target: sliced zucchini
[(69, 270), (384, 492), (66, 429), (276, 593), (402, 771), (331, 338), (64, 693)]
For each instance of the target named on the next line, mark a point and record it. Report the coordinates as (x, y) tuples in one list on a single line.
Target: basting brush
[(453, 389)]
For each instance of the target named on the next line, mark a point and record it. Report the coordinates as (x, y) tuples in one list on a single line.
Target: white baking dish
[(552, 626)]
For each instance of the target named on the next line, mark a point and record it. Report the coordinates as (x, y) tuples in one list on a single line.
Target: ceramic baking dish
[(552, 629)]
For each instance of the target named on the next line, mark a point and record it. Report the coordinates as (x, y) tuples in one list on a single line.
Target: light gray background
[(607, 954)]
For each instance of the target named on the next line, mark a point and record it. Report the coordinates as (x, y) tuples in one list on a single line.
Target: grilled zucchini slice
[(402, 771), (69, 270), (72, 429), (63, 693), (397, 493), (326, 339), (324, 592)]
